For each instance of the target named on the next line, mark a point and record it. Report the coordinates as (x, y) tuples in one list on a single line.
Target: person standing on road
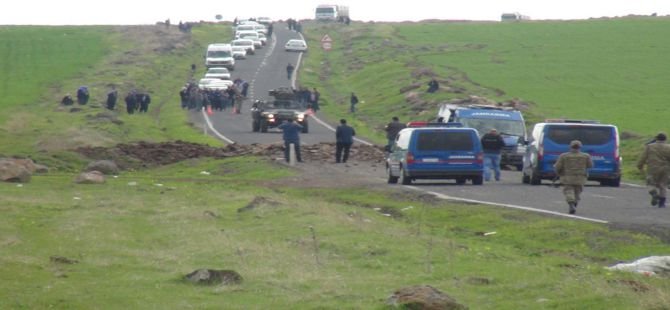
[(392, 129), (344, 138), (291, 135), (572, 168), (492, 143), (289, 70), (353, 100), (656, 157)]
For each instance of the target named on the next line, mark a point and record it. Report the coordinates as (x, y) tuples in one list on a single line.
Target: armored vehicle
[(283, 106)]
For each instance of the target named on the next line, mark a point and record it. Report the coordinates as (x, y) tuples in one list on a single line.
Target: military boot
[(654, 197), (573, 207), (661, 202)]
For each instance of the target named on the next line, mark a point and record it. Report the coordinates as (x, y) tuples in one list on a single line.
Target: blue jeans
[(491, 161)]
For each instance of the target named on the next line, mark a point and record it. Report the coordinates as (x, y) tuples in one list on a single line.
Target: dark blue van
[(552, 138), (436, 153)]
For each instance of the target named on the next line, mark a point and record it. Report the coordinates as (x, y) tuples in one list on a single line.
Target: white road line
[(603, 196), (211, 127), (446, 197)]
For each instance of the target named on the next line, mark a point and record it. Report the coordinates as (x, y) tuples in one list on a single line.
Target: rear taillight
[(616, 149), (409, 158), (480, 158), (540, 152)]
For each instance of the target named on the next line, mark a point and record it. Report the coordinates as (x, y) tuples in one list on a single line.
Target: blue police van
[(436, 151), (552, 138), (507, 121)]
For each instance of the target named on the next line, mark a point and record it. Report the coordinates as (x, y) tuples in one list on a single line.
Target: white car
[(246, 43), (209, 83), (251, 35), (264, 20), (240, 52), (218, 73), (296, 45), (263, 38)]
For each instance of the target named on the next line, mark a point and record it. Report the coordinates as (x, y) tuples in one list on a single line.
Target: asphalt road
[(628, 204)]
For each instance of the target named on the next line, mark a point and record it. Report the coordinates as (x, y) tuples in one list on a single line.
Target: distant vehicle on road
[(296, 45), (218, 73), (284, 106), (552, 138), (212, 83), (264, 20), (250, 35), (247, 44), (331, 12), (240, 52), (220, 55)]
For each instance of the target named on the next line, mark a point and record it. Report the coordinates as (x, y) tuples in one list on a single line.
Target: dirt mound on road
[(147, 154)]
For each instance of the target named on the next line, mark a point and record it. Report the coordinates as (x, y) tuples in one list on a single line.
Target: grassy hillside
[(610, 70), (42, 64)]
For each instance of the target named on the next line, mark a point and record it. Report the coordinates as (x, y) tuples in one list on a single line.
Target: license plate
[(430, 160)]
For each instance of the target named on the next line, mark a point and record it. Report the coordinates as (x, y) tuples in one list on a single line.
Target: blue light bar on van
[(430, 124), (576, 121)]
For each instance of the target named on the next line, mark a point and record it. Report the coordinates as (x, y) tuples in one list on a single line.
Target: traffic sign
[(326, 43)]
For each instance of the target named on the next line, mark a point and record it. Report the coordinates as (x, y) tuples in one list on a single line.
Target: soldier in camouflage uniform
[(656, 156), (572, 168)]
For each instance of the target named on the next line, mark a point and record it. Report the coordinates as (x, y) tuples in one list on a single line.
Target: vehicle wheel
[(519, 167), (525, 179), (404, 179), (305, 127), (535, 178), (255, 126), (460, 181), (264, 125), (478, 180), (391, 179)]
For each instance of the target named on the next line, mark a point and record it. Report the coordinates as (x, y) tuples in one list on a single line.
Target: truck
[(508, 122), (272, 113), (331, 12)]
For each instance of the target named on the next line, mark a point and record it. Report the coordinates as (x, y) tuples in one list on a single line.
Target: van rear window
[(444, 141), (587, 135)]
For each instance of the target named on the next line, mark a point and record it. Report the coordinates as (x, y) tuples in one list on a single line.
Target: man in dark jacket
[(82, 95), (492, 143), (131, 102), (344, 137), (144, 100), (67, 100), (392, 129), (353, 100), (112, 95), (289, 70), (291, 134)]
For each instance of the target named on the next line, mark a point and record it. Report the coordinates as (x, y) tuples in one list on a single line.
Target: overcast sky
[(126, 12)]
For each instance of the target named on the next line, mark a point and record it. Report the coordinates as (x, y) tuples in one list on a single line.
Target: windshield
[(505, 127), (325, 10), (287, 104), (218, 70), (587, 135), (444, 141), (249, 35), (243, 43), (218, 54)]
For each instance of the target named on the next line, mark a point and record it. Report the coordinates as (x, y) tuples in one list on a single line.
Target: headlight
[(521, 148), (270, 115), (301, 117)]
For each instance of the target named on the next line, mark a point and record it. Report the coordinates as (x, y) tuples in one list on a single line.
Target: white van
[(250, 35), (220, 55)]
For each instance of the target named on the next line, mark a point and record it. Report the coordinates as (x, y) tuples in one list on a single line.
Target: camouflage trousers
[(658, 181), (572, 192)]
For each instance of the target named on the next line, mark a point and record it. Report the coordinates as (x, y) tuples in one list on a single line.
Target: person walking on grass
[(656, 156), (572, 168), (344, 138), (353, 100)]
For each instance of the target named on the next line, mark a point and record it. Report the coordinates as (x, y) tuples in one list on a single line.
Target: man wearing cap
[(572, 168), (656, 156), (492, 143)]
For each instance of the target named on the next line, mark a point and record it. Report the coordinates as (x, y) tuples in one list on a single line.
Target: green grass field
[(135, 237)]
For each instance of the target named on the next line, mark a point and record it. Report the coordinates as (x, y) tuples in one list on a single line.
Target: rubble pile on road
[(148, 154)]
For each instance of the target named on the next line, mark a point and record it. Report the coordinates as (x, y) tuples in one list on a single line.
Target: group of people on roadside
[(308, 98), (344, 139), (194, 98)]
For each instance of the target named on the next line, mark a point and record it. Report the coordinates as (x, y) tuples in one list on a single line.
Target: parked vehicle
[(436, 151), (240, 52), (247, 44), (552, 138), (296, 45), (331, 12), (250, 35), (218, 73), (508, 122), (220, 55)]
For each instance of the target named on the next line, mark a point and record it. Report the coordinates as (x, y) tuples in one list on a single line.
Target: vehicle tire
[(255, 126), (391, 179), (478, 180), (525, 179), (460, 181), (264, 125), (535, 178), (305, 127), (404, 179)]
